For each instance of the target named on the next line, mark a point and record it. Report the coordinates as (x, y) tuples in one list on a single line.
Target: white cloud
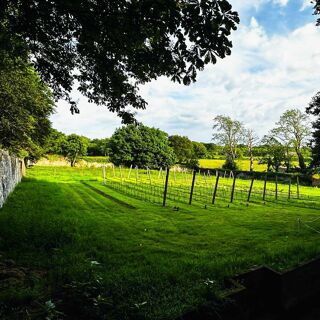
[(264, 76), (281, 3), (248, 5), (305, 5)]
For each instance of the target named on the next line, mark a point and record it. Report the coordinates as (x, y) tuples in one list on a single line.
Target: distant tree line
[(287, 141), (141, 146)]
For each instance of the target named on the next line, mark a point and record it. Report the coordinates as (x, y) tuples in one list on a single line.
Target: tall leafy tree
[(109, 48), (183, 148), (314, 109), (98, 147), (228, 133), (25, 106), (74, 147), (199, 150), (213, 150), (55, 142), (316, 4), (141, 146), (293, 130)]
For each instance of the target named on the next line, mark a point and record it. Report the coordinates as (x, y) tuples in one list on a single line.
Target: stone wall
[(11, 172)]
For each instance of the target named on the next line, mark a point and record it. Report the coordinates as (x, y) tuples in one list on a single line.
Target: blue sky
[(279, 19), (273, 67)]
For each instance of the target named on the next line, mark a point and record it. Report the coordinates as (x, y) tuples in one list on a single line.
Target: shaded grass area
[(106, 261)]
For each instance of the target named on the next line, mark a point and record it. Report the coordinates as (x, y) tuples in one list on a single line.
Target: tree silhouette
[(109, 48)]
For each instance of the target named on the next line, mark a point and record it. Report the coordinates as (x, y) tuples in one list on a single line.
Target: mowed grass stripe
[(105, 195), (156, 255)]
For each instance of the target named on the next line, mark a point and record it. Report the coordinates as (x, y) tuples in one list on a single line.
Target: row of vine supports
[(166, 187)]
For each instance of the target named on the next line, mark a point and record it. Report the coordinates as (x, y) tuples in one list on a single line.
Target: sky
[(274, 66)]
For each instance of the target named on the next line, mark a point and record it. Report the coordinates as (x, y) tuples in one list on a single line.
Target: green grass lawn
[(108, 253)]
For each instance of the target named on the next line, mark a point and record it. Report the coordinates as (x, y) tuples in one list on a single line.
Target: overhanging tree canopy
[(26, 104), (109, 47)]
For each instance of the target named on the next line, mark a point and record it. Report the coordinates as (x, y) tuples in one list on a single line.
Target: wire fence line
[(205, 187), (208, 187)]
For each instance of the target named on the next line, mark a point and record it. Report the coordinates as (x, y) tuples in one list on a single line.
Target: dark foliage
[(314, 109), (26, 104), (141, 146), (111, 47)]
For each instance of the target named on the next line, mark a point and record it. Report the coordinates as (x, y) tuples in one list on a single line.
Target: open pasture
[(115, 253), (243, 164)]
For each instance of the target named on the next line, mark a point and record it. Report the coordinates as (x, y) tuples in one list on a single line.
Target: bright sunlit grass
[(151, 262)]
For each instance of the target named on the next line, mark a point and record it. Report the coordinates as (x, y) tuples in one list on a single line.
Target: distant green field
[(108, 251), (243, 164)]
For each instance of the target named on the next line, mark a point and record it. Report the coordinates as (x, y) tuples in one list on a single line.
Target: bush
[(230, 164)]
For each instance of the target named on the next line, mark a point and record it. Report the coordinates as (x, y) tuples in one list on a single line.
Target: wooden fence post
[(215, 189), (149, 175), (120, 168), (129, 173), (104, 174), (166, 188), (137, 174), (192, 186), (233, 186), (276, 187), (289, 192), (250, 190), (265, 187)]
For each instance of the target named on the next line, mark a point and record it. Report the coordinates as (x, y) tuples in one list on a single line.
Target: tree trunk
[(251, 161), (73, 162), (288, 159), (302, 164)]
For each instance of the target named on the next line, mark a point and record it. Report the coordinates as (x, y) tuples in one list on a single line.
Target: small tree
[(75, 147), (250, 139), (293, 130), (230, 164), (274, 153), (228, 133)]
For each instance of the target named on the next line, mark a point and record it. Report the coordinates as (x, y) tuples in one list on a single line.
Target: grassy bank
[(108, 255)]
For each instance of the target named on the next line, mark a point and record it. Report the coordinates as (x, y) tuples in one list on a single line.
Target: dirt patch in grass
[(20, 296)]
